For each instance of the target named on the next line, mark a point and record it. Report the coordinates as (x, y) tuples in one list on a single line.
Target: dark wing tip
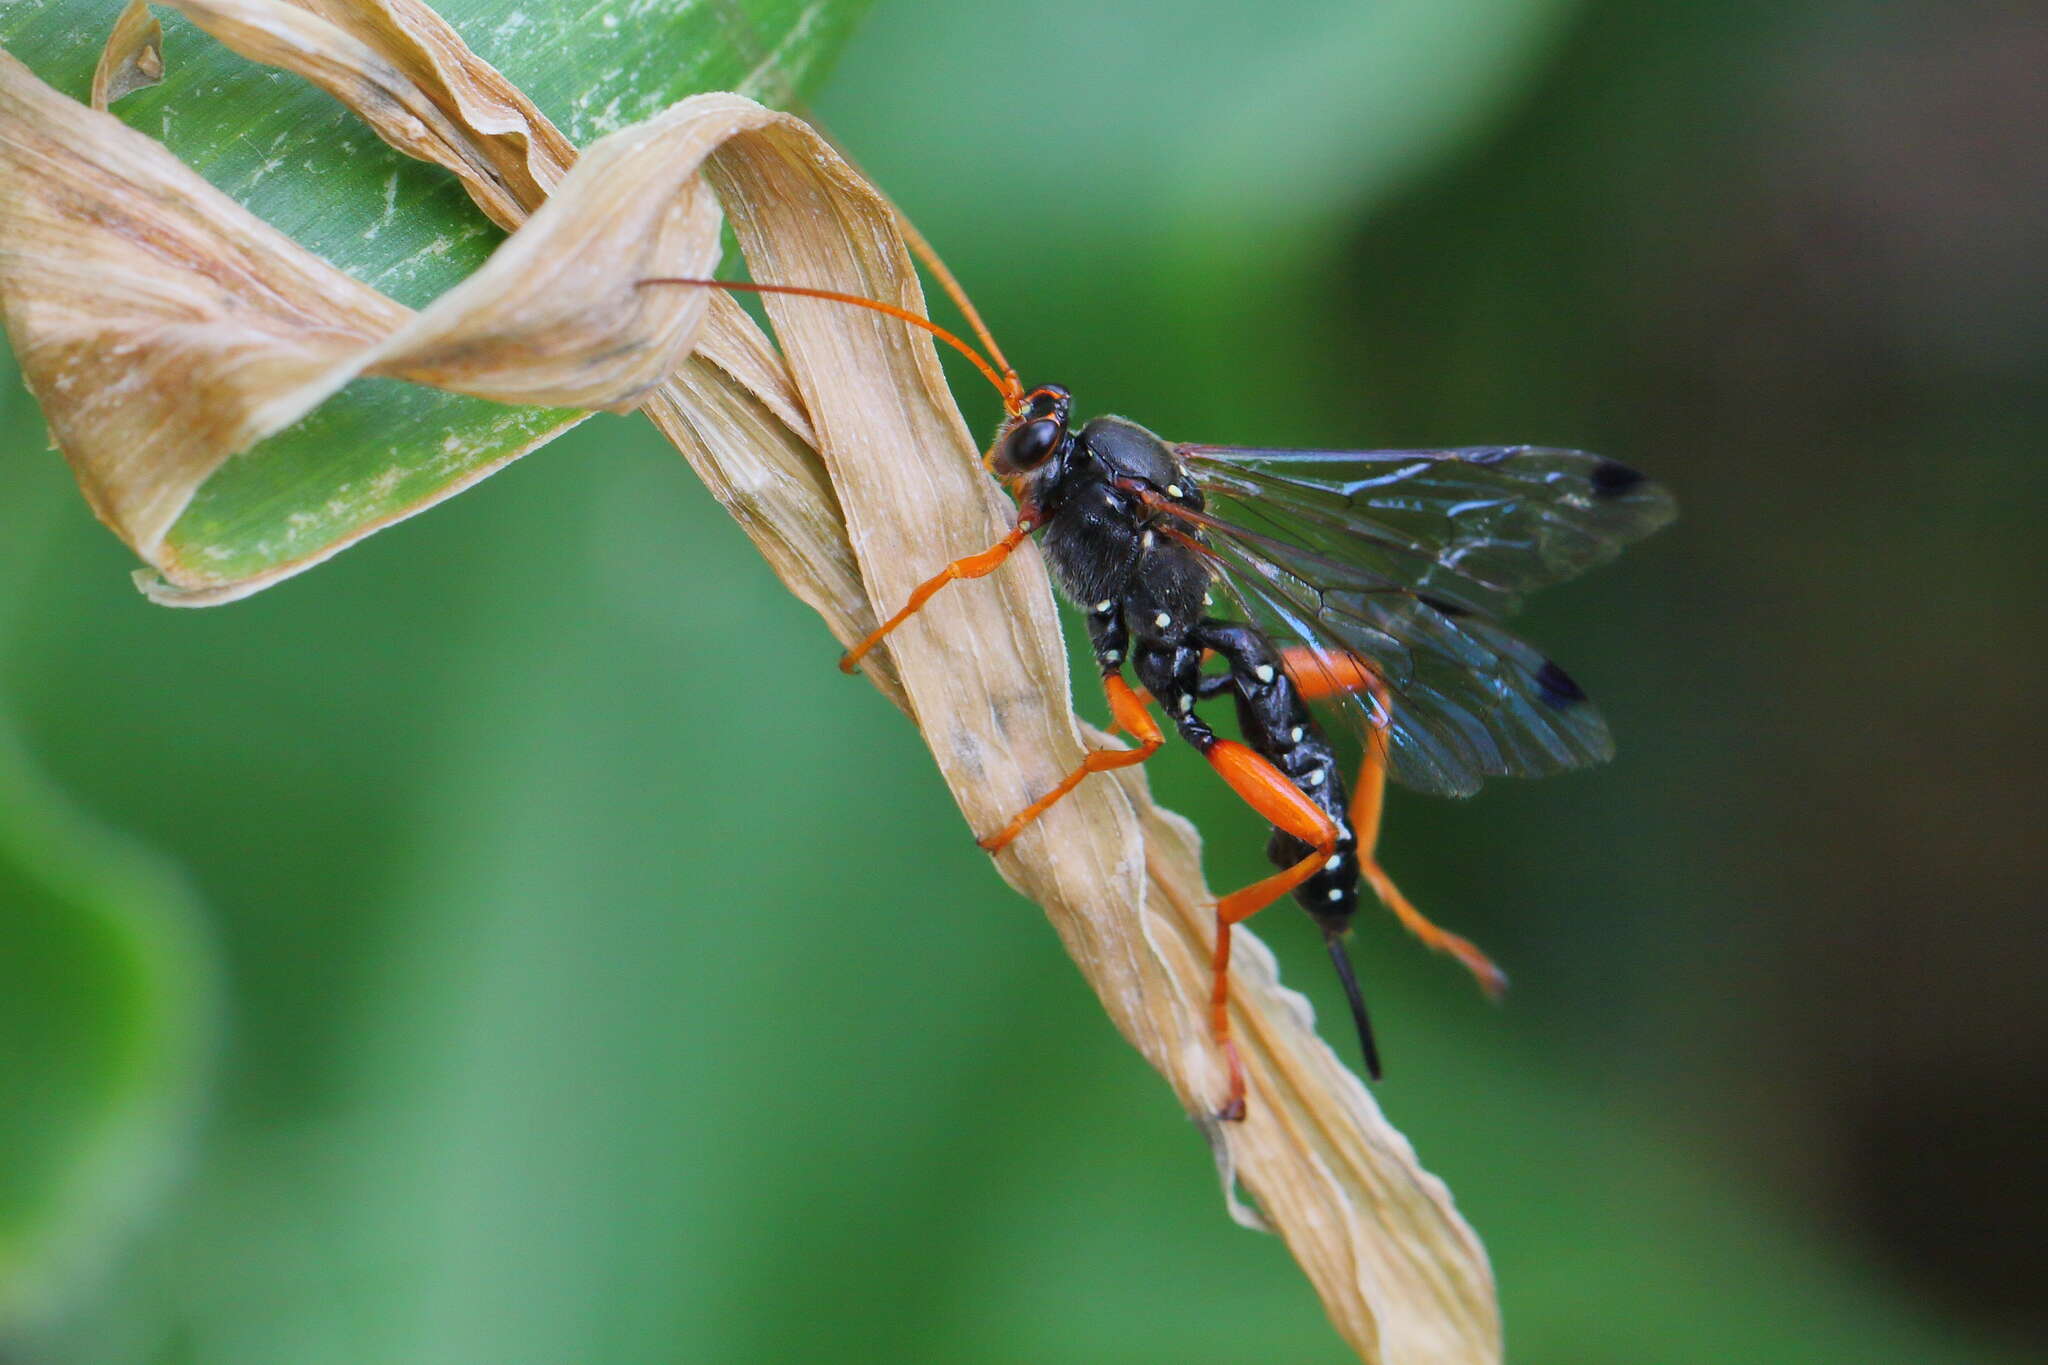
[(1612, 478), (1444, 605), (1558, 688)]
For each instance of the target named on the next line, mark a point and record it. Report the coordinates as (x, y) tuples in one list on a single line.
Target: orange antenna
[(923, 250), (921, 247), (1006, 382)]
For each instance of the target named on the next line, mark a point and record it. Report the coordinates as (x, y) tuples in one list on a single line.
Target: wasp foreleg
[(971, 566)]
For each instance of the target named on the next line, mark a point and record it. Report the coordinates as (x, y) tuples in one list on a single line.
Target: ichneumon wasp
[(1370, 583)]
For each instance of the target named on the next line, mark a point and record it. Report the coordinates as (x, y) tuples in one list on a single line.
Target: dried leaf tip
[(133, 58)]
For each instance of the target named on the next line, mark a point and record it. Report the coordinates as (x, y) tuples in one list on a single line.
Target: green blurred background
[(515, 942)]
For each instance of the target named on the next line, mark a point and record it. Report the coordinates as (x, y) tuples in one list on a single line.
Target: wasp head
[(1036, 440)]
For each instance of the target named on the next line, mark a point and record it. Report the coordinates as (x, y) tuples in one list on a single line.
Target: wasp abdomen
[(1276, 723)]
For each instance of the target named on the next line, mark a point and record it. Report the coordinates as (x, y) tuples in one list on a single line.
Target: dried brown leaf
[(154, 318), (133, 58), (896, 491), (370, 57), (731, 407)]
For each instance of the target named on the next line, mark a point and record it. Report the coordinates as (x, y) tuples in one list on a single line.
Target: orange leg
[(1318, 675), (1128, 714), (1365, 824), (973, 566), (1268, 791)]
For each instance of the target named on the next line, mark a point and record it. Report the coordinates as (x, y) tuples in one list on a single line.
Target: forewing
[(1477, 527)]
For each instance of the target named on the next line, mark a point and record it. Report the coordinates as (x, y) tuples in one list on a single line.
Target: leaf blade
[(306, 165)]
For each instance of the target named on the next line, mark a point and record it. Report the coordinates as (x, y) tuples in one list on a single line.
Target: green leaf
[(380, 449), (106, 1014), (109, 987)]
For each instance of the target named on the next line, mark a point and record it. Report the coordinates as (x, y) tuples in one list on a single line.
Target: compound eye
[(1030, 443)]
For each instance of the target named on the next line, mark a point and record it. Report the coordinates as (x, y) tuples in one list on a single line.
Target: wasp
[(1368, 584)]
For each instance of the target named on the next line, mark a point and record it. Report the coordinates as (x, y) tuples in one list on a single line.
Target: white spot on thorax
[(1314, 779), (1336, 861), (1296, 735), (1173, 491), (1336, 893), (1162, 620), (1265, 672), (1104, 606)]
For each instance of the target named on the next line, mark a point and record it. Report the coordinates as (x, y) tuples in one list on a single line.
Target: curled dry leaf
[(133, 58), (165, 330)]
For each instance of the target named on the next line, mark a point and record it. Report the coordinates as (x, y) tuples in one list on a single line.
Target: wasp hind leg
[(1274, 796), (1319, 676)]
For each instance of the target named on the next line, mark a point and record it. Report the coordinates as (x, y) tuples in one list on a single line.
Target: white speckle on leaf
[(764, 69), (390, 208)]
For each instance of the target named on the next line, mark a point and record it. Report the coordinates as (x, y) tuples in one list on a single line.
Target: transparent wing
[(1404, 558), (1479, 526)]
